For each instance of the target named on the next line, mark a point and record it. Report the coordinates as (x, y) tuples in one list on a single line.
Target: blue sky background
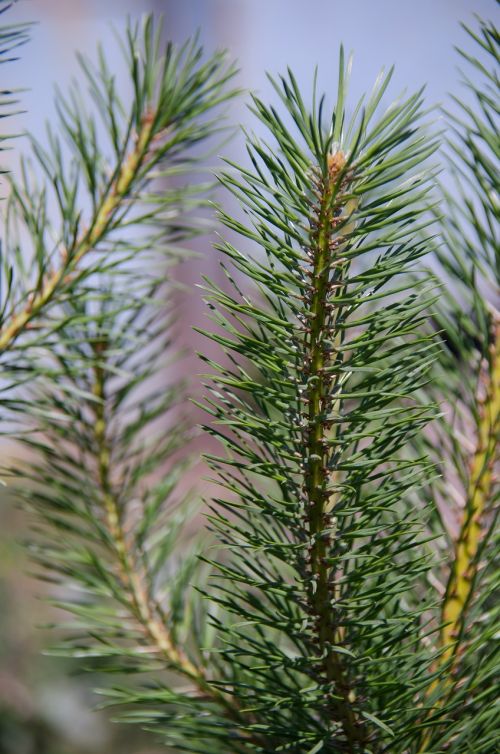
[(263, 35)]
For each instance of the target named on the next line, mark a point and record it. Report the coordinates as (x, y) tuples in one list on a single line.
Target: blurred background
[(46, 706)]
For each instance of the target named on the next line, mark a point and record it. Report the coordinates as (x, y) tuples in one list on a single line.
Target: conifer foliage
[(356, 395), (12, 36), (323, 560), (105, 187), (464, 442)]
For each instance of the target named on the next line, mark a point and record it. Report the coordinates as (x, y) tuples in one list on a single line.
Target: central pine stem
[(326, 277)]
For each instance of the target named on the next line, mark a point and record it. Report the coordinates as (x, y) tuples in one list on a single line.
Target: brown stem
[(479, 494), (110, 204), (319, 397), (143, 604)]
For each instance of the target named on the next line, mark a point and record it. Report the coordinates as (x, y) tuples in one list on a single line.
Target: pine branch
[(480, 492), (96, 458), (175, 97), (315, 411), (95, 451), (320, 398), (468, 378), (134, 576), (110, 204), (143, 605)]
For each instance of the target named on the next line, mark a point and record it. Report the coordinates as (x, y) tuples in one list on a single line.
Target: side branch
[(111, 201), (479, 495), (134, 581), (144, 606), (480, 492)]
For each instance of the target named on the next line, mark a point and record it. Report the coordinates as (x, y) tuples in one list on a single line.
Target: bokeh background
[(46, 705)]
